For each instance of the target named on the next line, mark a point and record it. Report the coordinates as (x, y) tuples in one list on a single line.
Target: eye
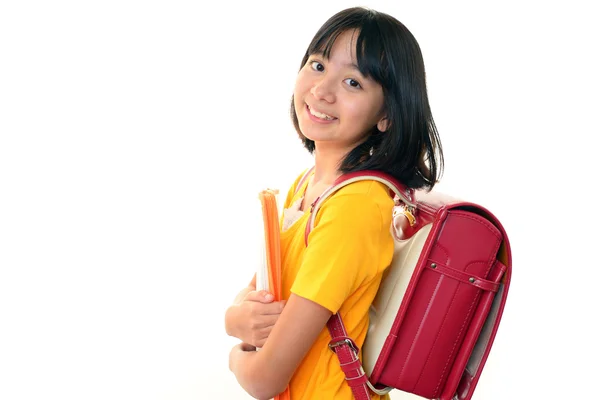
[(317, 66), (353, 83)]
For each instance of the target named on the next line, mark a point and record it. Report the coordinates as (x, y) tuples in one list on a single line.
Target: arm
[(266, 373), (332, 270)]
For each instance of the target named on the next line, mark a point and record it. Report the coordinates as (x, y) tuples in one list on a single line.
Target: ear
[(383, 124)]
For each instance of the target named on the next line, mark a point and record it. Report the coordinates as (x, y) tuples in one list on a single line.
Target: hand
[(255, 317), (234, 354)]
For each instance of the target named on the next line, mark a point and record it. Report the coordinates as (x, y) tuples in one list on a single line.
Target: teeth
[(320, 115)]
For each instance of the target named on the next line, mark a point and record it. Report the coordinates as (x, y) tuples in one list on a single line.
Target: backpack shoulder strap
[(304, 178), (398, 191), (347, 354)]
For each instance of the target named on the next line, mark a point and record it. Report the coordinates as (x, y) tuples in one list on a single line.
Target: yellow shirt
[(348, 250)]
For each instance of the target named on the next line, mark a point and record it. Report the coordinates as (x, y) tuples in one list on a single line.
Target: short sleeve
[(344, 249)]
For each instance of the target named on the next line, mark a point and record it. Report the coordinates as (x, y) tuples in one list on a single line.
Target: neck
[(327, 163)]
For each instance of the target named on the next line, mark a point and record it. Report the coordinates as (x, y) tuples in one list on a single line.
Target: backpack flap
[(471, 359)]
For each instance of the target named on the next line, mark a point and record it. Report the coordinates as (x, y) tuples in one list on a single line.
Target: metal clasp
[(339, 343), (407, 211)]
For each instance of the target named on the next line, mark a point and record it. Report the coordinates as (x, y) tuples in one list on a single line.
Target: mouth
[(319, 116)]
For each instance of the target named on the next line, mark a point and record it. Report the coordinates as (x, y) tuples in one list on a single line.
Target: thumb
[(261, 295), (266, 297)]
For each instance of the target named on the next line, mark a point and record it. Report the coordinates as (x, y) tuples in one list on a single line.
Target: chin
[(312, 135)]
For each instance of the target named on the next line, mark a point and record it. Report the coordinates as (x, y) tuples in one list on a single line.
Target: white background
[(135, 136)]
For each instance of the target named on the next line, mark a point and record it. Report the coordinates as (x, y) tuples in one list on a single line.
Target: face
[(335, 104)]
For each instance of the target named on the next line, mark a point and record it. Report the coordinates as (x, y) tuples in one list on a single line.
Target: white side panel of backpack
[(391, 292)]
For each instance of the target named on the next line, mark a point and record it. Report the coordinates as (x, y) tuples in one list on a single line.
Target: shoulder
[(366, 190), (366, 202)]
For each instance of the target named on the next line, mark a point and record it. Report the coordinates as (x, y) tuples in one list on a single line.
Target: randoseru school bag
[(437, 311)]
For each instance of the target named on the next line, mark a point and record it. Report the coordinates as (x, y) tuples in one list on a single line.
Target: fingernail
[(268, 297)]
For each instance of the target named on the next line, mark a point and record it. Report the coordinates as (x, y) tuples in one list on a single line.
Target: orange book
[(269, 274), (272, 269)]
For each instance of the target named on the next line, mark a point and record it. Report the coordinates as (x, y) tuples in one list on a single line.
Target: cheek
[(298, 91), (356, 110), (363, 114), (301, 88), (298, 103), (301, 84)]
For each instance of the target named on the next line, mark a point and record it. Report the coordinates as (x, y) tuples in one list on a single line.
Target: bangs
[(369, 44)]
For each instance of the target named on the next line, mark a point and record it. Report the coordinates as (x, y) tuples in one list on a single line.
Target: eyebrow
[(352, 65)]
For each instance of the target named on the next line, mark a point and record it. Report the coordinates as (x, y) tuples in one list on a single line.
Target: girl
[(360, 102)]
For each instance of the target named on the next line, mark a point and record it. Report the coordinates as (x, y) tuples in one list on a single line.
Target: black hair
[(410, 149)]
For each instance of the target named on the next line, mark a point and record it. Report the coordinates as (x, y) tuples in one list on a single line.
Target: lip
[(316, 119)]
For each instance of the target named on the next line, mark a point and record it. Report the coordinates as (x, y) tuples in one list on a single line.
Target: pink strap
[(303, 179), (461, 276), (347, 353)]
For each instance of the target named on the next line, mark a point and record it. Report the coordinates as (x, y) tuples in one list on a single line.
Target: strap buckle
[(346, 341)]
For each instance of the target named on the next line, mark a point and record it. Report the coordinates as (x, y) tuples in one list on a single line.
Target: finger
[(264, 333), (260, 336), (261, 342), (274, 308), (265, 322), (261, 296)]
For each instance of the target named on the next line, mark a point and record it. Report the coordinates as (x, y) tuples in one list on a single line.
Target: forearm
[(255, 375), (266, 373)]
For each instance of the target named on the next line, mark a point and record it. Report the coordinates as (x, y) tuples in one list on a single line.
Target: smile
[(319, 116)]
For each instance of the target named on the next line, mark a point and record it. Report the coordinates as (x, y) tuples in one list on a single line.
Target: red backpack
[(437, 311)]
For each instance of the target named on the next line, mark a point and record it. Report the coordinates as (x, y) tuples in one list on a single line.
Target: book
[(268, 276)]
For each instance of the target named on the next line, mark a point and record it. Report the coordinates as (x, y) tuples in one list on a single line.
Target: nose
[(323, 90)]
